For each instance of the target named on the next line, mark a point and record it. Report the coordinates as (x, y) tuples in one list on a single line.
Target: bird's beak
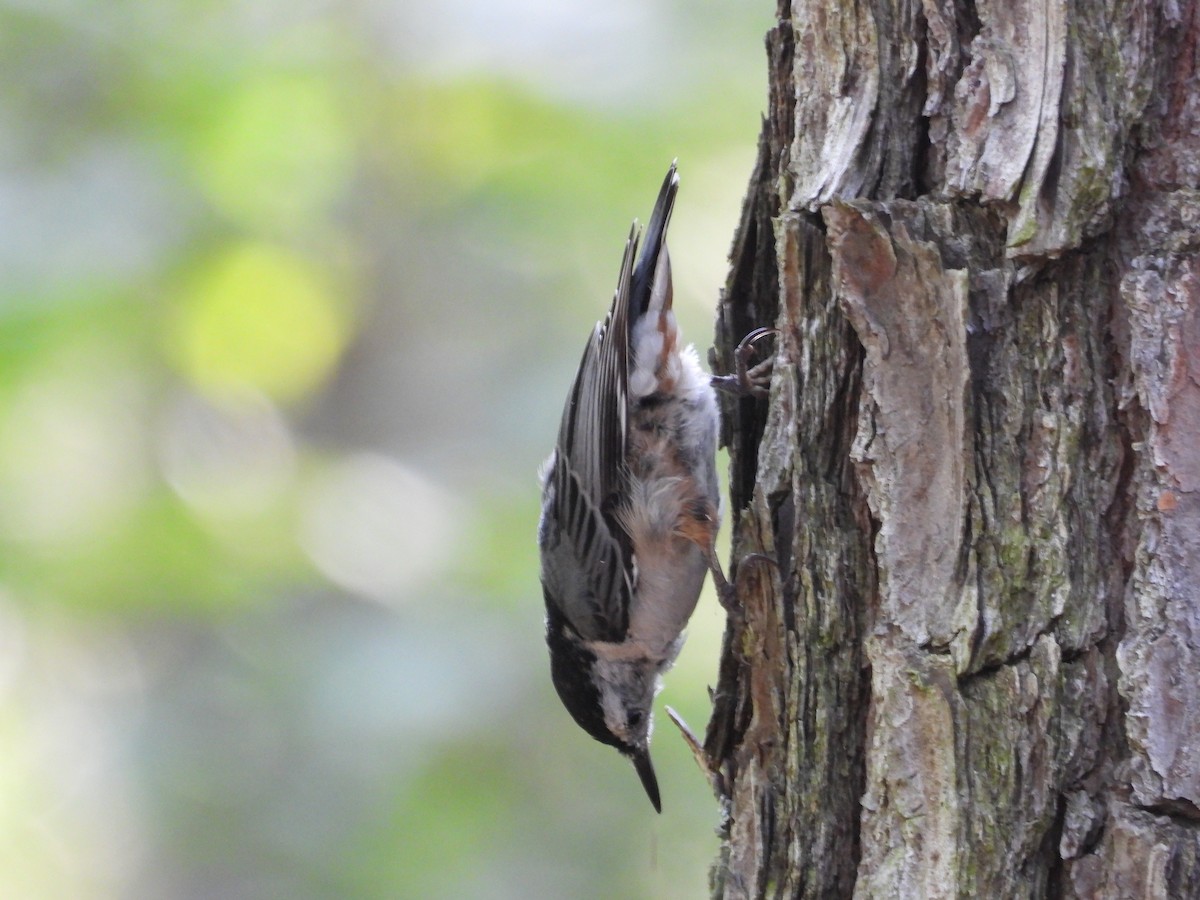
[(645, 770)]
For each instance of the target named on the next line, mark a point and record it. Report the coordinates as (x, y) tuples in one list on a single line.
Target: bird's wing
[(588, 567)]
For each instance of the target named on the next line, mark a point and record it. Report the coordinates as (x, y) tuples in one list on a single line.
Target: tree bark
[(975, 670)]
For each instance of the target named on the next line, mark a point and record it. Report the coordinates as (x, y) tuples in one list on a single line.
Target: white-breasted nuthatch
[(630, 505)]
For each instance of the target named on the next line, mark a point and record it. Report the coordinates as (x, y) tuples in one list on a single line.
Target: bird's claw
[(727, 590), (747, 380)]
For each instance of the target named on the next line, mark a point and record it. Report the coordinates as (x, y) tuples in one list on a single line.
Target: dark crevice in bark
[(862, 598), (968, 22), (988, 671), (750, 298), (783, 522), (845, 412), (1181, 812), (732, 710), (1048, 190), (922, 161), (781, 102), (1049, 850), (1074, 654), (768, 817)]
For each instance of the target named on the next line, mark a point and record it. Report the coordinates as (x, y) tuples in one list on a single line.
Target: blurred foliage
[(292, 294)]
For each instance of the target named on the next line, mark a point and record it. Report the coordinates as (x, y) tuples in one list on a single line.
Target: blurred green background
[(292, 292)]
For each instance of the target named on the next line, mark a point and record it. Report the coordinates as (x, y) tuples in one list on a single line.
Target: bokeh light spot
[(70, 463), (277, 154), (259, 318), (228, 460), (377, 527)]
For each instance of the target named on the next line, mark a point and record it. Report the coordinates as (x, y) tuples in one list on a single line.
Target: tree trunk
[(975, 671)]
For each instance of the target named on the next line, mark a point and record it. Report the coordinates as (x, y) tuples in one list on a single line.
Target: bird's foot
[(726, 590), (748, 380)]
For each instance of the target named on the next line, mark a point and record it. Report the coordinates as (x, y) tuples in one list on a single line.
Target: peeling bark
[(975, 671)]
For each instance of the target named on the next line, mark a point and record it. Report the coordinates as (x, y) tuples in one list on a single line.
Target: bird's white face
[(627, 690)]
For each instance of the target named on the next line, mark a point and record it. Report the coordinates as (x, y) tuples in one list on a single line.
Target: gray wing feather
[(587, 559)]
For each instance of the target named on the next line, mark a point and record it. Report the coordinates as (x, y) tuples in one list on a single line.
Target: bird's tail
[(653, 336), (654, 250)]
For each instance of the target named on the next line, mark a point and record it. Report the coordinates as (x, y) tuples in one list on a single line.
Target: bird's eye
[(635, 718)]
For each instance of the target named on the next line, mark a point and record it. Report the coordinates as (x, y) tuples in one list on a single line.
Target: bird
[(631, 503)]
